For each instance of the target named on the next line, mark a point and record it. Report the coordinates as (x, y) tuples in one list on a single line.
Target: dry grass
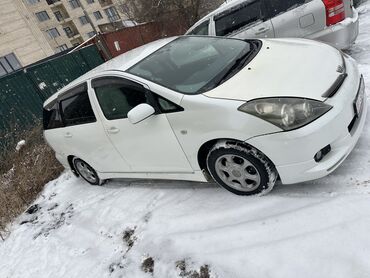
[(23, 174)]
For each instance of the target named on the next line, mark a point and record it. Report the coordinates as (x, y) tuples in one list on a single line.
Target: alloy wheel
[(238, 172)]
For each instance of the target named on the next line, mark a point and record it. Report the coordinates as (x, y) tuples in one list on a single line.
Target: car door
[(247, 19), (296, 18), (54, 128), (148, 146), (84, 136)]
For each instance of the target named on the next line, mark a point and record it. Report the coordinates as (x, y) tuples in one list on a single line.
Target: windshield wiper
[(238, 64)]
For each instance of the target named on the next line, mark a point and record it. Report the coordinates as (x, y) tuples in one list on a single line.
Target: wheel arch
[(70, 162), (207, 146)]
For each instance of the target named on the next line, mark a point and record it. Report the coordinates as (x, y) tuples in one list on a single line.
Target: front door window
[(117, 97)]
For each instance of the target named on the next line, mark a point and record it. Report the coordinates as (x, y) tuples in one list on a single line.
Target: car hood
[(284, 68)]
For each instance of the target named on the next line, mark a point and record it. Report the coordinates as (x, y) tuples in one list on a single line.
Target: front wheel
[(241, 170), (85, 171)]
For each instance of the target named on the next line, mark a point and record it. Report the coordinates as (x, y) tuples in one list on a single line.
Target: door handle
[(113, 130), (262, 31), (68, 135)]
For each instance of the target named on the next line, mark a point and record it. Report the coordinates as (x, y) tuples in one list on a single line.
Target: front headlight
[(286, 112)]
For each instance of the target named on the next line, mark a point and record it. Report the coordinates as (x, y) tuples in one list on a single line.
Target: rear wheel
[(85, 171), (241, 170)]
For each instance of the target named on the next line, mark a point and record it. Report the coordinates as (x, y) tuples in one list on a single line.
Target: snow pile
[(20, 145), (185, 229)]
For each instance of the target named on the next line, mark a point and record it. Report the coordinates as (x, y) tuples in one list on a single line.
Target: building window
[(61, 48), (51, 2), (112, 14), (9, 63), (42, 16), (83, 20), (104, 3), (91, 34), (69, 32), (74, 4), (32, 2), (90, 1), (53, 33), (98, 15), (58, 15)]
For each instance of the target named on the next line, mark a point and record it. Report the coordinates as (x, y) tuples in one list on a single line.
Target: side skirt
[(195, 176)]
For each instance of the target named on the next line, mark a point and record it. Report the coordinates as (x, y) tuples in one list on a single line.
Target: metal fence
[(22, 93)]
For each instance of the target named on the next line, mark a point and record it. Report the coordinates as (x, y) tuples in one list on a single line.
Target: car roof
[(121, 63)]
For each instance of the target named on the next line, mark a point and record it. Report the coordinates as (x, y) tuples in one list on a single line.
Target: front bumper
[(293, 152), (341, 35)]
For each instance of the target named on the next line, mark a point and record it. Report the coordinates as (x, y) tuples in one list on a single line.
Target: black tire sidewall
[(257, 163), (98, 181)]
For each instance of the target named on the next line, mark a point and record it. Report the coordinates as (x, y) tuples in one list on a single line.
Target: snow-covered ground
[(184, 229)]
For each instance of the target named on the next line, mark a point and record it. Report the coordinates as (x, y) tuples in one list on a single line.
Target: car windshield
[(192, 65)]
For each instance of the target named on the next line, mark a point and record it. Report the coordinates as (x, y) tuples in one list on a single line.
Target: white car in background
[(186, 108), (331, 21)]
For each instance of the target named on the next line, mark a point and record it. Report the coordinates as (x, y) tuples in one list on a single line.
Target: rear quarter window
[(277, 7), (51, 117), (238, 17)]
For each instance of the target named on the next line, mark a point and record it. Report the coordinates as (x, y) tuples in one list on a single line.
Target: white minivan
[(244, 112), (331, 21)]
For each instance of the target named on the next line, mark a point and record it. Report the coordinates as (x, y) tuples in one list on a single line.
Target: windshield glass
[(192, 65)]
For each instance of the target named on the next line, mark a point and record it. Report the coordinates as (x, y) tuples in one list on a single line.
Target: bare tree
[(185, 11)]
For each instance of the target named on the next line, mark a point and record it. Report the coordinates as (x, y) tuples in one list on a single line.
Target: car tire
[(85, 171), (241, 169)]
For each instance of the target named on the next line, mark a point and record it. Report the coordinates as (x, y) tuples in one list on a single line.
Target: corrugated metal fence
[(23, 92)]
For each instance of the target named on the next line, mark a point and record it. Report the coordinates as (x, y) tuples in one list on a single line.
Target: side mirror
[(140, 113)]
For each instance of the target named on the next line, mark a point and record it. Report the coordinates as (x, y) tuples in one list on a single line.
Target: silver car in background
[(331, 21)]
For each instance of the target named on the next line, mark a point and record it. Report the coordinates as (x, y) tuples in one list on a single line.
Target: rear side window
[(277, 7), (201, 29), (238, 17), (118, 96), (76, 107), (51, 117)]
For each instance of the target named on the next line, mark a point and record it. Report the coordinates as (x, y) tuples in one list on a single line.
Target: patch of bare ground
[(24, 173), (147, 265), (185, 272)]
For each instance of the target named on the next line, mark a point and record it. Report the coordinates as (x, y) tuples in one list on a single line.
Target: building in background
[(21, 41), (31, 30), (67, 23)]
